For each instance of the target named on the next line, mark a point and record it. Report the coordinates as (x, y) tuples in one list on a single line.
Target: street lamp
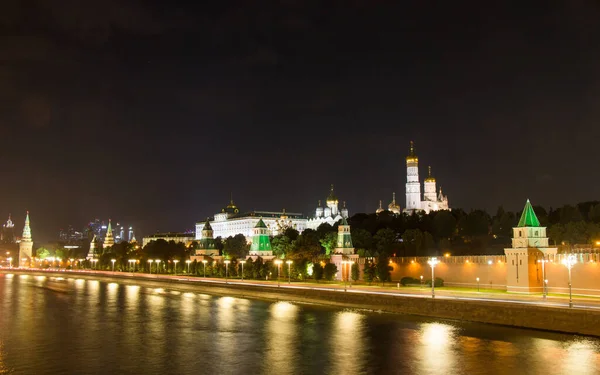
[(157, 261), (188, 264), (204, 262), (433, 262), (132, 264), (289, 263), (569, 261), (545, 285), (278, 263), (113, 264), (478, 284), (421, 281), (242, 262), (150, 263), (94, 263), (9, 262), (226, 269), (175, 261)]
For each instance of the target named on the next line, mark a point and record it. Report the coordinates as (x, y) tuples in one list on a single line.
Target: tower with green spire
[(26, 244), (206, 245), (109, 239), (261, 243), (344, 239), (93, 249), (529, 249)]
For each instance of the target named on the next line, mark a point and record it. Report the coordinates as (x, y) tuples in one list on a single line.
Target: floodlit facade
[(329, 214), (432, 199)]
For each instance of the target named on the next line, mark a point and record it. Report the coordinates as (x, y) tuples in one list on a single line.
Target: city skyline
[(157, 119)]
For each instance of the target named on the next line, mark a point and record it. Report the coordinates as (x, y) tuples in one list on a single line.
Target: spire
[(26, 230), (207, 225), (319, 203), (331, 198), (381, 208), (109, 229), (429, 176), (412, 156), (344, 204), (528, 218), (429, 169), (394, 197), (412, 149)]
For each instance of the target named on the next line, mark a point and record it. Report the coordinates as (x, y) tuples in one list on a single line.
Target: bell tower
[(413, 186)]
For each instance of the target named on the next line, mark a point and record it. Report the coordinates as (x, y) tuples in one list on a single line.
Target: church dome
[(332, 198), (429, 178), (394, 207), (380, 209)]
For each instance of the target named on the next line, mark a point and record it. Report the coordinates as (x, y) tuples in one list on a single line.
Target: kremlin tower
[(109, 240), (26, 244), (413, 186)]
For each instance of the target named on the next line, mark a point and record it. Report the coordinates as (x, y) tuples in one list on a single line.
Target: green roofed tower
[(528, 217), (344, 240), (261, 243)]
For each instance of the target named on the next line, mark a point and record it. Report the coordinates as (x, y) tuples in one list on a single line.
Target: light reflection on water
[(98, 327)]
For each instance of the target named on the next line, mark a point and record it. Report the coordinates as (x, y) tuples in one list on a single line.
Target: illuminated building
[(344, 251), (230, 221), (432, 200), (393, 207), (109, 240), (26, 244), (206, 246), (330, 214), (8, 231), (261, 243), (529, 244)]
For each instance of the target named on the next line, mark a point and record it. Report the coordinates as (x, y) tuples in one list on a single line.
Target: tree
[(317, 271), (307, 246), (444, 224), (413, 241), (362, 240), (369, 272), (329, 242), (383, 269), (329, 271), (355, 272), (594, 214), (42, 253), (291, 233), (236, 246), (282, 245), (385, 240)]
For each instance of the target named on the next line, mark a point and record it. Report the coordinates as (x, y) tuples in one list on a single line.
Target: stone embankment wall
[(580, 321)]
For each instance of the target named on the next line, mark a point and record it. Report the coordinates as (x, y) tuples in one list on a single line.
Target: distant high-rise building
[(70, 235), (130, 236), (8, 231)]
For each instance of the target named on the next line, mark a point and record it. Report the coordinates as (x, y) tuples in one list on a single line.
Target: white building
[(330, 214), (432, 200), (230, 222)]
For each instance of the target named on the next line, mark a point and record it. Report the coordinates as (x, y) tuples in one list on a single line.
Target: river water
[(52, 325)]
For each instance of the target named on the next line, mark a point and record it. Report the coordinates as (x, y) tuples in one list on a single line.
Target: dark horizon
[(153, 113)]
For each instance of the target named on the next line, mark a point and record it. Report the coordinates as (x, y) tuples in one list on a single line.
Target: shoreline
[(512, 314)]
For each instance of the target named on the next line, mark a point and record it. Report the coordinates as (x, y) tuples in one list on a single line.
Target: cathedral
[(432, 199), (329, 214)]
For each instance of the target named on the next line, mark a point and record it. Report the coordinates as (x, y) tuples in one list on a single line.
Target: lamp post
[(433, 262), (150, 263), (204, 262), (226, 269), (569, 261), (421, 281), (113, 264), (188, 264), (278, 263), (545, 282), (132, 264), (242, 263), (9, 261), (157, 261), (478, 284), (289, 263), (95, 263), (175, 261)]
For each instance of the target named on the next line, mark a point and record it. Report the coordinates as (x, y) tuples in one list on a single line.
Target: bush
[(407, 280), (329, 271), (438, 282)]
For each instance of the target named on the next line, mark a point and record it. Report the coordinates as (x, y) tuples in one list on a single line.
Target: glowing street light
[(9, 261), (348, 264), (204, 262), (175, 261), (278, 263), (433, 262), (242, 262), (188, 265), (113, 264), (150, 264), (569, 261), (289, 263), (478, 284), (226, 269), (545, 285), (421, 281), (157, 261), (132, 264)]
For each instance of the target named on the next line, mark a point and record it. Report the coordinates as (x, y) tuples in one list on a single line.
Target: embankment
[(577, 321)]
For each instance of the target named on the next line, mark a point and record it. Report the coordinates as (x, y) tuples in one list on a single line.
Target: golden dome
[(394, 207), (380, 209), (430, 178)]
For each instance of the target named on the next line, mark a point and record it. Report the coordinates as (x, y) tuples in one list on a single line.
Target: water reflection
[(436, 349), (581, 357), (347, 354), (282, 338)]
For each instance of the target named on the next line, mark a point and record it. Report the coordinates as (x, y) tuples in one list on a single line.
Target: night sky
[(151, 113)]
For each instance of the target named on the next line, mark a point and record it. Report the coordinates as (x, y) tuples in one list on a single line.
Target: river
[(51, 325)]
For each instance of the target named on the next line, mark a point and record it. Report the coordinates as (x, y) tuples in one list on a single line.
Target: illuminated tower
[(109, 240), (8, 234), (380, 209), (344, 239), (344, 210), (332, 203), (92, 253), (261, 244), (413, 186), (130, 234), (26, 244), (430, 193), (394, 207)]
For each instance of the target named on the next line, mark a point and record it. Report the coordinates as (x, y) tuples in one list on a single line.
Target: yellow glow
[(438, 338), (447, 255), (284, 310)]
